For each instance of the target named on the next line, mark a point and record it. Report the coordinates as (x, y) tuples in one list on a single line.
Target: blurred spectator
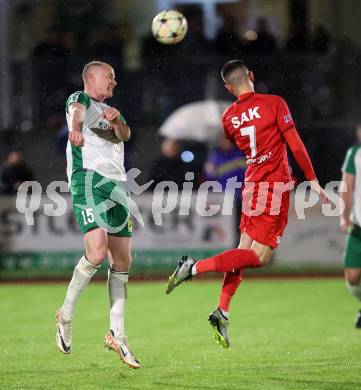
[(68, 42), (62, 139), (182, 67), (225, 161), (169, 166), (297, 38), (158, 60), (320, 40), (109, 44), (14, 172), (155, 54), (52, 46), (227, 40), (195, 45), (264, 41), (50, 63)]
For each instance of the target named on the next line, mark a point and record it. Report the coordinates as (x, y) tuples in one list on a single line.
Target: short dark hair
[(230, 66)]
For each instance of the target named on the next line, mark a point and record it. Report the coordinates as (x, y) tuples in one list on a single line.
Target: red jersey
[(256, 123)]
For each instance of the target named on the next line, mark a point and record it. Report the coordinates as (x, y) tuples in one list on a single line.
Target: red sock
[(231, 282), (229, 261)]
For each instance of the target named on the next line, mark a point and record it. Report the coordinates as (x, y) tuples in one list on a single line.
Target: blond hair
[(89, 65)]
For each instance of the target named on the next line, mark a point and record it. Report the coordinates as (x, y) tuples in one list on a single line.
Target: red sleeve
[(300, 153), (226, 133), (283, 116)]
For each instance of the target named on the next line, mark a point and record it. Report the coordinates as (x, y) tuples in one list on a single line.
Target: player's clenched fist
[(111, 114), (345, 225), (315, 187), (76, 138)]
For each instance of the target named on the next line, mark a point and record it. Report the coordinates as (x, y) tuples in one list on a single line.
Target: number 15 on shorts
[(88, 216)]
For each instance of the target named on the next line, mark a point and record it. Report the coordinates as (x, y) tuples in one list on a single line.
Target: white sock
[(194, 271), (224, 313), (354, 290), (82, 274), (117, 290)]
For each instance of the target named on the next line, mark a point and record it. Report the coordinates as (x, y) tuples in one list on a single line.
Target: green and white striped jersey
[(352, 165), (102, 151)]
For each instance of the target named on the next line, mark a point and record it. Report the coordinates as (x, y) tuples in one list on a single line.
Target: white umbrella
[(200, 121)]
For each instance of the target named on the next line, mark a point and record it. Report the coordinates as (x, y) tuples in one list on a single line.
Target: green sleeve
[(121, 117), (349, 163), (78, 97)]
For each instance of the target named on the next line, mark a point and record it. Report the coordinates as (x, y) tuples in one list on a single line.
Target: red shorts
[(264, 213)]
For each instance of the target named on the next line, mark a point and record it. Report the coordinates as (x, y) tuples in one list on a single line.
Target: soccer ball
[(169, 27)]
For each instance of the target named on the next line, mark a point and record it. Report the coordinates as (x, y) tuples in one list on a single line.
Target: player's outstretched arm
[(303, 160), (77, 114), (121, 129), (346, 193)]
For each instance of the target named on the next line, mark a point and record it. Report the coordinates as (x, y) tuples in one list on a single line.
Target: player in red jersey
[(261, 126)]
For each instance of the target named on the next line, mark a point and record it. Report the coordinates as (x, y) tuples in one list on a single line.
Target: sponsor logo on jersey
[(130, 224), (105, 125), (260, 159), (288, 118)]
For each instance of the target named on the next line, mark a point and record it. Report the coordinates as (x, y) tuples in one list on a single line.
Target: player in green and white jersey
[(350, 221), (95, 169)]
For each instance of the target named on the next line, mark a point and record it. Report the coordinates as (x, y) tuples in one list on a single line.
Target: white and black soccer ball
[(169, 27)]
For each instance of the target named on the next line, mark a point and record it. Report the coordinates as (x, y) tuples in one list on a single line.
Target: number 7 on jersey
[(250, 131)]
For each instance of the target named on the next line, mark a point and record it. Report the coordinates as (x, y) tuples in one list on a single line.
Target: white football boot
[(63, 333), (121, 347)]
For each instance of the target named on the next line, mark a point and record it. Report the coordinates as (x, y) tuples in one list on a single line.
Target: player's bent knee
[(264, 259), (353, 276), (264, 254), (122, 264), (96, 256)]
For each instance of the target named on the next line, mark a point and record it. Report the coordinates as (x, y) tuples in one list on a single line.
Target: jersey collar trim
[(245, 96), (91, 97), (98, 101)]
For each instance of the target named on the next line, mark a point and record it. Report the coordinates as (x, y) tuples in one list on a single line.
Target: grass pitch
[(295, 334)]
